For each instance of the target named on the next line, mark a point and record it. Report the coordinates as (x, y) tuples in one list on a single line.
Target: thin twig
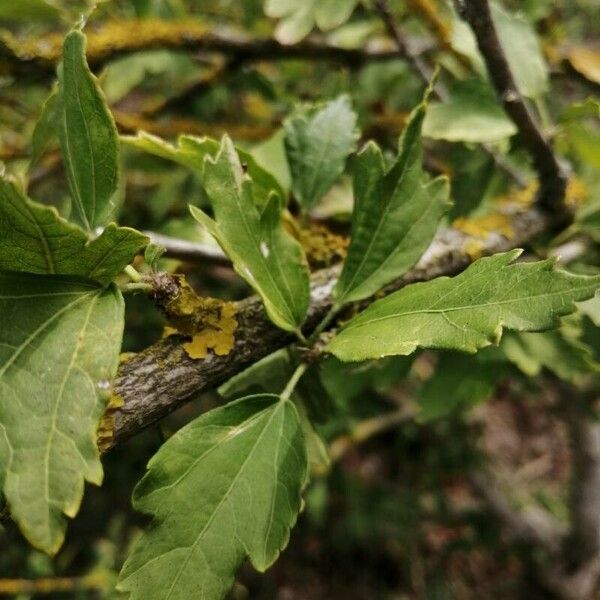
[(194, 252), (404, 49), (38, 58), (52, 585), (367, 429), (439, 91), (551, 174)]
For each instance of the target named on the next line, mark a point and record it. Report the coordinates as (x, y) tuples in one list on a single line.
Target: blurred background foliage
[(393, 513)]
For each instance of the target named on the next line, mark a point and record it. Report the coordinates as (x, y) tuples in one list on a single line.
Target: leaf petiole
[(293, 381)]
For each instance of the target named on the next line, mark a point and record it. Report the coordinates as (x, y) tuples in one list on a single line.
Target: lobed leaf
[(225, 487), (35, 239), (88, 137), (59, 349), (317, 143), (396, 214), (262, 251), (466, 312)]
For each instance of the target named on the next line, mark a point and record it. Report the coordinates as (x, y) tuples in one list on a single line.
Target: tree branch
[(421, 68), (193, 252), (119, 38), (158, 380), (551, 174)]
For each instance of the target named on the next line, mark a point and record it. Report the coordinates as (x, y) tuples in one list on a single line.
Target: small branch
[(439, 91), (114, 39), (171, 127), (367, 429), (52, 585), (551, 174), (156, 381), (215, 75), (404, 49), (194, 252)]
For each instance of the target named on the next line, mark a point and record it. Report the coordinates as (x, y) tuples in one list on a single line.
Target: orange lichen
[(482, 227), (104, 435), (209, 322), (322, 247)]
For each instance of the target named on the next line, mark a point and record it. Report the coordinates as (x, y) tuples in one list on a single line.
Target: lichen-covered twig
[(551, 174), (156, 381), (38, 57)]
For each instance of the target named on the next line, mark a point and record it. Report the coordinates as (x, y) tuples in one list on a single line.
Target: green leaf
[(28, 11), (569, 359), (333, 13), (522, 48), (470, 114), (191, 152), (59, 349), (46, 129), (466, 312), (298, 18), (396, 214), (459, 383), (225, 487), (317, 143), (262, 251), (270, 374), (35, 239), (88, 137)]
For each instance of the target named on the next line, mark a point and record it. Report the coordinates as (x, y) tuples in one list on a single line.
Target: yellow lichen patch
[(210, 322), (116, 37), (218, 337), (323, 248), (125, 356), (481, 227), (577, 193), (474, 248), (104, 435), (523, 197)]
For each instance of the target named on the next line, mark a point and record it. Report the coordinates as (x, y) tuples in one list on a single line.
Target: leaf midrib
[(457, 308)]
